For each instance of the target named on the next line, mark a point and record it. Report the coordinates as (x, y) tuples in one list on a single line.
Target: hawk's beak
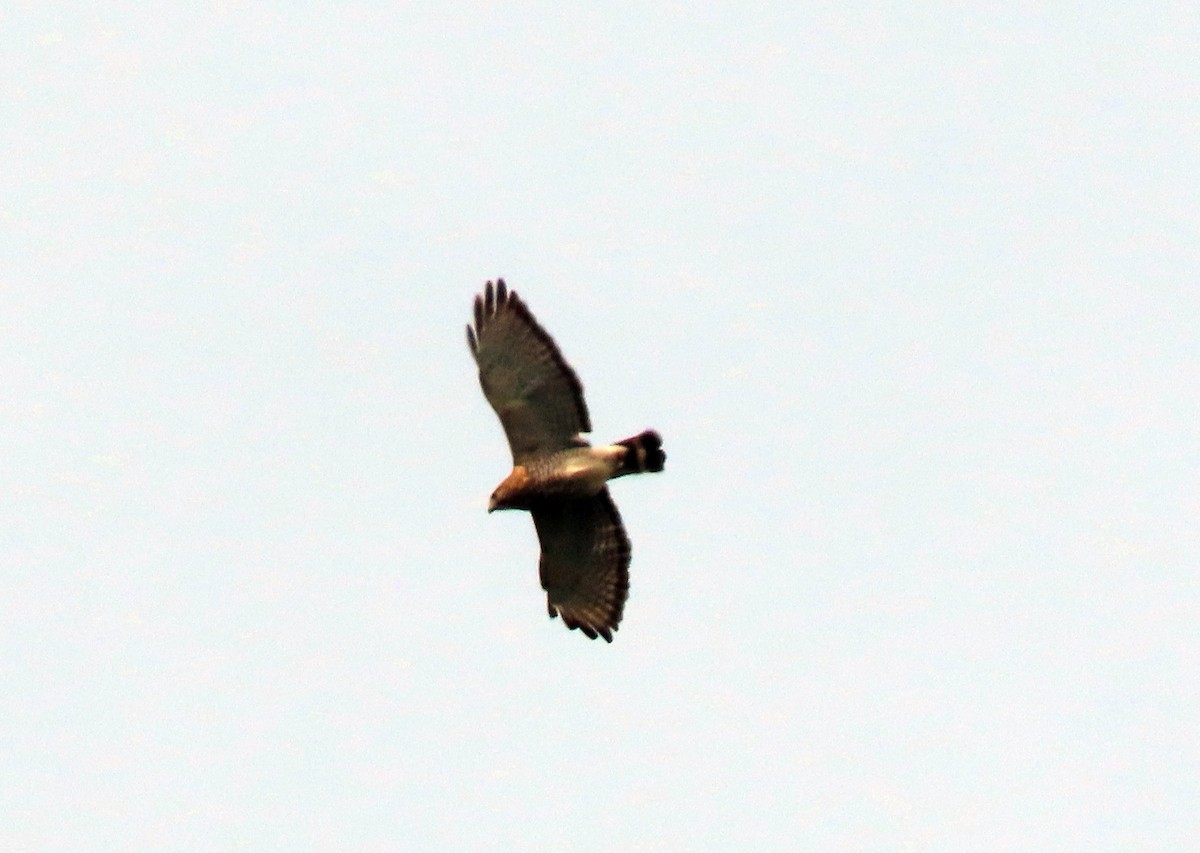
[(492, 504)]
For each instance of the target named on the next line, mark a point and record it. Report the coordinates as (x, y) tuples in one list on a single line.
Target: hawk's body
[(556, 475)]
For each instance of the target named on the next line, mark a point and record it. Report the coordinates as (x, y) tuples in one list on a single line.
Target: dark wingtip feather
[(471, 342), (489, 301), (575, 625), (592, 632)]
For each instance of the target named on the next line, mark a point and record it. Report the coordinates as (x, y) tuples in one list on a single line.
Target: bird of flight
[(557, 476)]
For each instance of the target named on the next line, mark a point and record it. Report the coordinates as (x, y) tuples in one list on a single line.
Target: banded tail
[(643, 453)]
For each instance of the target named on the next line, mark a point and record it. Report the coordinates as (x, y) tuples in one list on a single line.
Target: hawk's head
[(501, 499), (510, 494)]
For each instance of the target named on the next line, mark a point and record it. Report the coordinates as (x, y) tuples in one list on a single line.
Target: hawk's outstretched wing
[(532, 388), (585, 561)]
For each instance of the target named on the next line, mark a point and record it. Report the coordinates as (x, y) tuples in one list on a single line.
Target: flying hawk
[(557, 476)]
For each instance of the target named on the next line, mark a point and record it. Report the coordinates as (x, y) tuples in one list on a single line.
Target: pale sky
[(911, 292)]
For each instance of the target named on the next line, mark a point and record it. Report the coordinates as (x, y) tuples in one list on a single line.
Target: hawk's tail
[(643, 452)]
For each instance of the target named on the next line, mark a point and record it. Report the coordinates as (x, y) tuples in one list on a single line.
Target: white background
[(910, 290)]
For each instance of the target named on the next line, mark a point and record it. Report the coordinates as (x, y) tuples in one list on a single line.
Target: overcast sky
[(911, 292)]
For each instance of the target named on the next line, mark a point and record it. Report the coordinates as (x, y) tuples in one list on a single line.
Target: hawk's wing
[(585, 561), (532, 388)]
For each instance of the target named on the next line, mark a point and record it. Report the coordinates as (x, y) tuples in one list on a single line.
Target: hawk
[(557, 476)]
